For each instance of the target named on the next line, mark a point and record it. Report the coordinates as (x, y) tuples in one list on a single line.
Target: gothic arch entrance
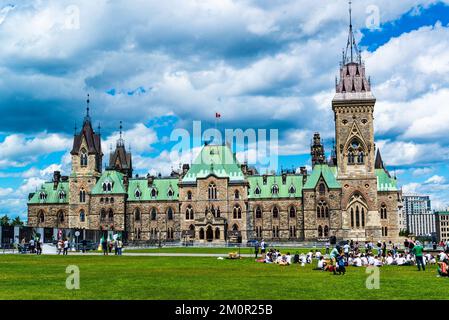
[(209, 234)]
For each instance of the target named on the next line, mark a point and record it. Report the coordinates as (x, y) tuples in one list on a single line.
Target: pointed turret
[(121, 160), (317, 150), (379, 164), (88, 139), (352, 70)]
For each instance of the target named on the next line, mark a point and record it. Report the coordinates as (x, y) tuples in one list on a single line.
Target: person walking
[(104, 246), (256, 249), (84, 244), (119, 246), (66, 247), (32, 245), (263, 248), (38, 247), (327, 247), (417, 250)]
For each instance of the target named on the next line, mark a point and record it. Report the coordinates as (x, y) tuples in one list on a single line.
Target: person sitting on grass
[(296, 257), (389, 261), (443, 268), (268, 257), (321, 264), (357, 261), (378, 262), (318, 254), (288, 258), (364, 260)]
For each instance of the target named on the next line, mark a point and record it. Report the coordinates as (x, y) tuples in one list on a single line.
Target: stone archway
[(209, 234)]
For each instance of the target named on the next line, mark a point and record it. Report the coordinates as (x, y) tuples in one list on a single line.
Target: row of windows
[(61, 195), (154, 193), (357, 217), (153, 214), (275, 232), (60, 216), (323, 232), (275, 190), (275, 212)]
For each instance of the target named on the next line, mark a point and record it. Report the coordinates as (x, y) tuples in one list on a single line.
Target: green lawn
[(214, 250), (43, 277)]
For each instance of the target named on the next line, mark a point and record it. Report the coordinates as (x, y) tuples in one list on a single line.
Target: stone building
[(442, 225), (217, 199)]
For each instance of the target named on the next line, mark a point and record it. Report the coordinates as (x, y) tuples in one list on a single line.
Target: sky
[(158, 66)]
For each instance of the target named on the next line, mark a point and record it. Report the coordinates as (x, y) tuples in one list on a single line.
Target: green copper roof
[(217, 160), (52, 196), (385, 182), (442, 212), (114, 177), (162, 187), (328, 173), (256, 182)]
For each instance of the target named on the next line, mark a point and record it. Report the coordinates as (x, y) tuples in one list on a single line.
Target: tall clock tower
[(353, 107)]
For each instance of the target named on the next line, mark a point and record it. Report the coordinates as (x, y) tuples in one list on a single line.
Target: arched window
[(322, 210), (103, 215), (212, 191), (322, 188), (350, 157), (192, 231), (217, 233), (41, 217), (138, 194), (101, 200), (82, 196), (259, 232), (257, 191), (189, 213), (320, 231), (82, 216), (235, 227), (218, 212), (356, 152), (61, 195), (361, 157), (275, 190), (201, 234), (275, 212), (189, 195), (258, 213), (60, 217), (153, 214), (137, 215), (326, 231), (170, 233), (352, 217), (153, 193), (292, 232), (83, 158), (111, 215), (237, 211), (170, 213), (383, 211), (292, 190), (357, 217), (236, 195), (292, 212), (170, 192), (42, 196)]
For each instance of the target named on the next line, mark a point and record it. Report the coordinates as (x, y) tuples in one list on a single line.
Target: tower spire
[(120, 141), (351, 51), (87, 117)]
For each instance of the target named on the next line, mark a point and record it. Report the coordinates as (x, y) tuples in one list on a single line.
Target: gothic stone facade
[(349, 196)]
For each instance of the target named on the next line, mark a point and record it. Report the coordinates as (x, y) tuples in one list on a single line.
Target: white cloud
[(436, 179), (19, 149)]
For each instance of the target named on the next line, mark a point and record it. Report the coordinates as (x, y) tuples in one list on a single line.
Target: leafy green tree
[(16, 222), (4, 221)]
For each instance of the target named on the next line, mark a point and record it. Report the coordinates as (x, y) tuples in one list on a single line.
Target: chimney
[(150, 180), (284, 178), (244, 168), (125, 181), (56, 179), (303, 172), (185, 168)]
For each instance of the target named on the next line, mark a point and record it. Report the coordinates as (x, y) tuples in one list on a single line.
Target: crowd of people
[(350, 254)]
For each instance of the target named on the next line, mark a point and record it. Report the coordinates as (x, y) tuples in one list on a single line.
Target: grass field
[(216, 250), (43, 277)]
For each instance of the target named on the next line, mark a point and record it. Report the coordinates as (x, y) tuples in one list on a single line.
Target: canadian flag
[(217, 115)]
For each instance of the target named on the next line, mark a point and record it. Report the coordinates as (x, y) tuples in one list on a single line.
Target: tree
[(17, 222), (5, 221)]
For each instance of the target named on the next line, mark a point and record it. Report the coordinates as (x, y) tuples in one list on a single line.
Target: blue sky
[(160, 65)]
